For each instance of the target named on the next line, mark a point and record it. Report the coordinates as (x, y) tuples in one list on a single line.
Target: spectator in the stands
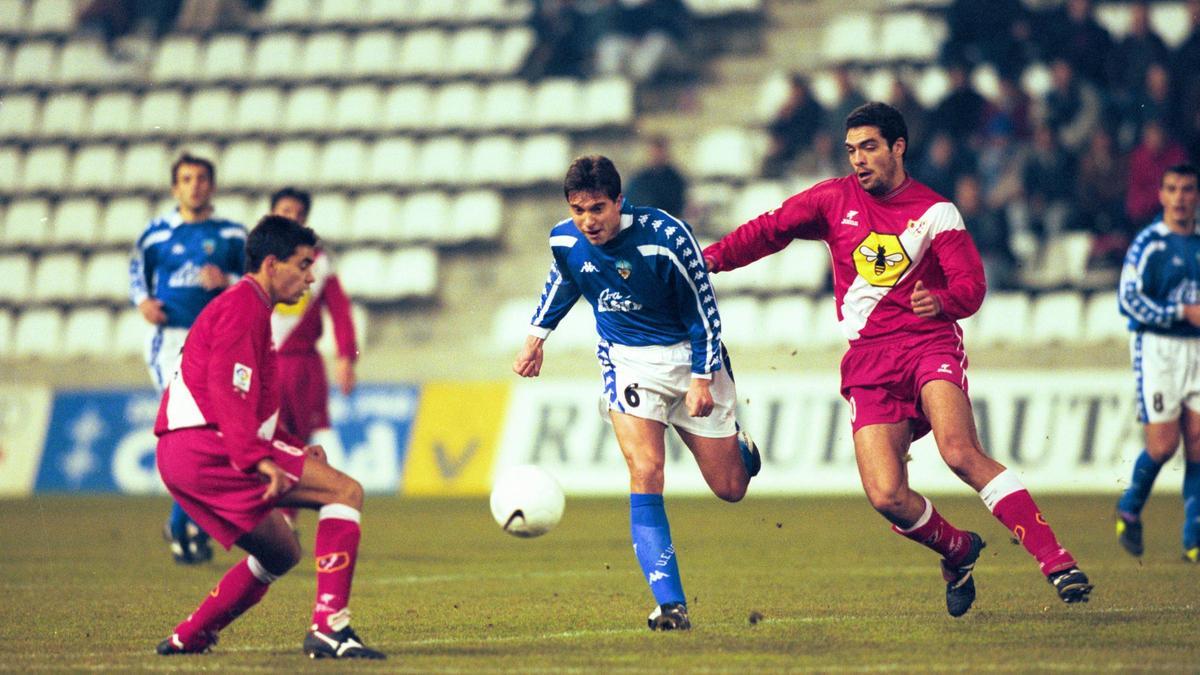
[(641, 36), (825, 158), (1100, 199), (1153, 155), (904, 99), (1047, 181), (792, 129), (1072, 33), (562, 45), (848, 98), (1071, 109), (1013, 105), (960, 113), (989, 230), (979, 29), (1185, 63), (941, 164), (1000, 171), (1136, 52), (659, 184)]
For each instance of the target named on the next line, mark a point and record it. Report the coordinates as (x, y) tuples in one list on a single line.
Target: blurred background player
[(905, 270), (304, 406), (1158, 293), (183, 260), (660, 352), (225, 459)]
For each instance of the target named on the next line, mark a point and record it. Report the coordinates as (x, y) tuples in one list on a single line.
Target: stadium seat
[(290, 12), (1062, 260), (441, 160), (423, 53), (129, 333), (88, 333), (21, 116), (11, 163), (492, 160), (330, 216), (414, 271), (33, 62), (340, 12), (846, 36), (6, 332), (12, 16), (1036, 80), (85, 61), (1113, 17), (17, 271), (801, 266), (27, 223), (741, 324), (1171, 21), (913, 36), (543, 159), (510, 325), (362, 272), (496, 11), (505, 105), (161, 112), (608, 102), (259, 110), (435, 11), (755, 199), (179, 59), (375, 217), (76, 222), (1057, 318), (358, 108), (147, 167), (392, 162), (240, 208), (38, 333), (55, 17), (327, 346), (113, 115), (58, 277), (752, 278), (210, 112), (784, 322), (577, 330), (64, 116), (513, 50), (277, 57), (1103, 321), (373, 53), (45, 168), (877, 84), (294, 162), (125, 219), (226, 57), (106, 278), (407, 106), (427, 218), (476, 216), (1003, 321), (986, 80), (325, 56), (931, 86), (471, 52), (96, 167), (390, 11), (245, 164), (457, 107), (556, 103), (308, 108), (343, 162), (727, 152)]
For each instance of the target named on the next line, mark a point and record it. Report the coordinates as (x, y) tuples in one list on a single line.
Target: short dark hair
[(593, 173), (290, 192), (878, 114), (277, 236), (1184, 169), (194, 160)]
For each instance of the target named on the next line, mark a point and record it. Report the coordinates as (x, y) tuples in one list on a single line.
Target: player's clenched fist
[(699, 399), (924, 303), (529, 359)]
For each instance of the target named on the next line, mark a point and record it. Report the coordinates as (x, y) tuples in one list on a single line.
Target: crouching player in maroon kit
[(226, 462), (905, 270)]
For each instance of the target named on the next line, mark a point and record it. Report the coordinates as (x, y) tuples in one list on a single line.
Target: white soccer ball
[(526, 501)]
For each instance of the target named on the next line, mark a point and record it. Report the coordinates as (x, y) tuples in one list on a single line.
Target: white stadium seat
[(226, 57), (258, 110), (17, 271), (784, 321), (505, 105), (20, 115), (911, 36), (290, 12), (33, 62), (441, 160), (65, 115), (51, 16), (340, 12), (161, 112), (12, 16), (556, 103), (58, 277), (846, 36), (1103, 321), (363, 275), (46, 168), (294, 163), (608, 102), (751, 278), (542, 158), (513, 50), (88, 332), (803, 266), (125, 219), (426, 217), (373, 53), (407, 106), (330, 216), (308, 108), (38, 333), (392, 162), (471, 52), (106, 277), (147, 166), (755, 199), (415, 271), (1171, 21), (240, 209), (179, 59), (113, 114), (129, 333), (727, 152), (492, 160), (741, 324), (76, 222), (210, 111), (358, 108), (476, 215), (11, 162), (276, 57), (6, 332), (457, 106), (1003, 320), (85, 61), (343, 162), (27, 223), (1057, 318), (375, 218), (245, 164), (390, 11), (325, 56), (423, 53), (96, 167)]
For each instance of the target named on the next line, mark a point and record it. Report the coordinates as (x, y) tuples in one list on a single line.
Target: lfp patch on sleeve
[(241, 377)]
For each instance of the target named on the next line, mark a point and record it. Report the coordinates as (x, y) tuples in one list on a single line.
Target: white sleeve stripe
[(548, 302), (564, 240), (652, 250), (155, 238), (232, 233)]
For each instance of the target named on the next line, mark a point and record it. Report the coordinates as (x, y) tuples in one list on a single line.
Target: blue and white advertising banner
[(1063, 431), (371, 432), (24, 412)]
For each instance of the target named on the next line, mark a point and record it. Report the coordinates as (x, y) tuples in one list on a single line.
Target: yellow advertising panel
[(455, 437)]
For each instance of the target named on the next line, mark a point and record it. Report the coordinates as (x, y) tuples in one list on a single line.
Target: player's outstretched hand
[(529, 359), (151, 309), (924, 303), (699, 399), (212, 278), (1192, 314), (278, 481)]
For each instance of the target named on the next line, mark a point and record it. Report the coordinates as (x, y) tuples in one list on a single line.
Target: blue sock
[(1191, 505), (1145, 470), (178, 522), (652, 544)]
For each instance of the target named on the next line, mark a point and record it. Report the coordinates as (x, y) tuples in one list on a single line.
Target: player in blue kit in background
[(660, 352), (1159, 293), (184, 259)]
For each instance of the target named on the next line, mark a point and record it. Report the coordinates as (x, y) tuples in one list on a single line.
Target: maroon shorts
[(883, 381), (304, 399), (224, 502)]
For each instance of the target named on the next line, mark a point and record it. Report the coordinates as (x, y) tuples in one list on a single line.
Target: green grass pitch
[(87, 584)]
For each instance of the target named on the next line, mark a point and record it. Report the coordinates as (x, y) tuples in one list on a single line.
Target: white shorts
[(164, 349), (652, 383), (1167, 369)]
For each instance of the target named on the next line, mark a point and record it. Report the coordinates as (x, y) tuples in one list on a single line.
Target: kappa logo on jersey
[(656, 576), (241, 377), (881, 259), (849, 219), (624, 268), (177, 249), (615, 301), (588, 267)]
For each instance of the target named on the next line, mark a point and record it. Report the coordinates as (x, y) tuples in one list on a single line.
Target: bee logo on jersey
[(624, 268), (881, 259)]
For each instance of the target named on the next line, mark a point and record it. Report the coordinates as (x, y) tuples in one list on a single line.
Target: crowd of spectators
[(1087, 155)]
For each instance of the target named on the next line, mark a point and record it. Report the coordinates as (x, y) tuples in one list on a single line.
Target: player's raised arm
[(960, 262), (558, 297), (1144, 262), (799, 217)]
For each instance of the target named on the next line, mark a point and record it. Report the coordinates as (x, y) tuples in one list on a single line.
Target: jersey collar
[(904, 184), (259, 290)]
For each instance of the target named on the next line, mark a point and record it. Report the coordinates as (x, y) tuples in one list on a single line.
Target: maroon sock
[(336, 549), (240, 589), (1012, 505), (935, 532)]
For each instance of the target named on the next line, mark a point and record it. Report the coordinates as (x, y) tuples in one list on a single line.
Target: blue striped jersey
[(647, 285), (1161, 274), (166, 261)]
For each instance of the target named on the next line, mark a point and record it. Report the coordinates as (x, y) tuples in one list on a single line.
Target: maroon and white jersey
[(880, 246), (296, 328), (227, 377)]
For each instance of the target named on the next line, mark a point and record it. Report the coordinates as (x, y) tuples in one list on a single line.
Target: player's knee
[(732, 491), (646, 470), (961, 457), (886, 499), (350, 492)]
